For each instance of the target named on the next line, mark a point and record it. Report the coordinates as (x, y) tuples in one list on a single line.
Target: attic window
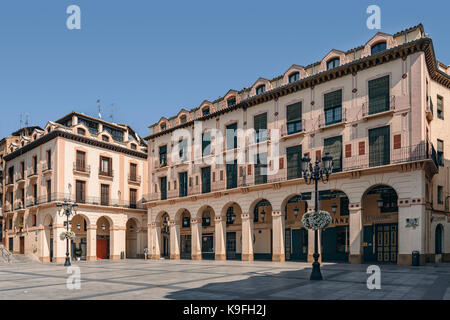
[(379, 47), (105, 138), (231, 101), (294, 77), (183, 119), (261, 89), (205, 111), (163, 126), (133, 146), (81, 131), (34, 137), (333, 63)]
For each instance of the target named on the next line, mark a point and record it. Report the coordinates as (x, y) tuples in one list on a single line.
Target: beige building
[(101, 166), (225, 180)]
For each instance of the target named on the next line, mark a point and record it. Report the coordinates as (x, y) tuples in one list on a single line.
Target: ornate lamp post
[(67, 211), (315, 173)]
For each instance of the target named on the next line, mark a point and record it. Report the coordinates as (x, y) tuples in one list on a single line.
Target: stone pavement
[(193, 280)]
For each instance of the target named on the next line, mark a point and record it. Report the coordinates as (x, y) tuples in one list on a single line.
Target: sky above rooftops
[(152, 58)]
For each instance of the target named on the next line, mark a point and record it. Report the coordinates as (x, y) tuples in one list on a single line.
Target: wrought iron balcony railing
[(378, 105)]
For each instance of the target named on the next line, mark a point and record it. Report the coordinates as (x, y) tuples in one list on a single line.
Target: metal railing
[(375, 106), (134, 178), (293, 128), (420, 152), (81, 167), (328, 117), (106, 174), (5, 253)]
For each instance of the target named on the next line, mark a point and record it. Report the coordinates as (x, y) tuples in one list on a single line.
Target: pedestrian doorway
[(231, 246), (22, 245), (386, 240), (186, 245)]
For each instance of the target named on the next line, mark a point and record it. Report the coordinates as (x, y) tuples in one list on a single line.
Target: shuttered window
[(333, 146), (206, 144), (261, 168), (133, 198), (104, 195), (294, 118), (260, 125), (163, 155), (294, 159), (231, 136), (440, 152), (163, 188), (183, 184), (80, 191), (379, 95), (379, 146), (440, 107), (333, 107), (183, 151), (232, 175), (206, 179), (81, 161)]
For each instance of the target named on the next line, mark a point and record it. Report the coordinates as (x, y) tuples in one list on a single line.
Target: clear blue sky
[(151, 58)]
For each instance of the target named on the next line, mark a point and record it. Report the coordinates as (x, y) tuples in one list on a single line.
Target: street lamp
[(263, 214), (334, 208), (380, 202), (315, 173), (296, 212), (67, 211)]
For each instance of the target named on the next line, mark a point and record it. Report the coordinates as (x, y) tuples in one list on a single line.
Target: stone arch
[(132, 245), (104, 226), (302, 206)]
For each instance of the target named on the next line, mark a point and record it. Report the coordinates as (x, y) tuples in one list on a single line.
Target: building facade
[(225, 182), (97, 164)]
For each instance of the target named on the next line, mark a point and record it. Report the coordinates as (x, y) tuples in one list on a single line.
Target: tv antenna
[(99, 109), (27, 119), (112, 112)]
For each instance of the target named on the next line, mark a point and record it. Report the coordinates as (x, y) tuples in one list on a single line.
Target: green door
[(299, 244), (379, 146), (368, 245), (386, 242)]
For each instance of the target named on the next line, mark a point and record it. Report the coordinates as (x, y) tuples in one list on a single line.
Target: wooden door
[(102, 248)]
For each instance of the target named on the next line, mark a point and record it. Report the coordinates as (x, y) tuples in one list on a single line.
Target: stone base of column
[(355, 258), (276, 257), (44, 259), (59, 260), (247, 257), (91, 258), (196, 257), (174, 257), (114, 257), (220, 257), (406, 259), (155, 256)]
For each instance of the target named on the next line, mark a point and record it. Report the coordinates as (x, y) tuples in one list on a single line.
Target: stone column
[(91, 254), (44, 238), (196, 238), (155, 241), (356, 233), (220, 235), (278, 251), (247, 237), (411, 238), (59, 246), (117, 242), (174, 240)]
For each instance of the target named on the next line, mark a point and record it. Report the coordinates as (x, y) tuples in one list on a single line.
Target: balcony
[(8, 208), (47, 168), (429, 111), (19, 206), (377, 108), (423, 152), (332, 118), (82, 199), (21, 180), (293, 130), (33, 174), (106, 175), (135, 179), (81, 168)]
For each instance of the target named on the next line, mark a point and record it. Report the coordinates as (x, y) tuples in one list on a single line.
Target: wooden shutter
[(206, 179), (333, 146), (261, 168), (397, 141), (231, 136), (318, 155), (348, 150), (362, 148), (333, 100), (281, 163), (294, 158), (260, 122), (379, 146), (294, 112), (379, 95)]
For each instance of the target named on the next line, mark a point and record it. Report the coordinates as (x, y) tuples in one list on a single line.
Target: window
[(206, 179), (261, 89), (231, 136), (379, 95), (440, 152), (183, 184), (206, 219), (105, 138), (81, 131), (49, 190), (206, 144), (92, 126), (162, 126), (231, 101), (117, 135), (390, 201), (440, 107), (186, 221), (163, 156), (104, 194), (183, 119), (344, 206), (22, 170), (231, 175), (163, 187), (182, 151), (33, 220), (49, 159), (333, 63), (261, 168), (11, 175), (133, 146), (440, 194), (105, 166), (80, 191), (260, 125), (333, 107), (294, 160), (379, 47), (294, 77), (35, 194), (133, 172), (34, 164), (294, 118), (80, 164), (333, 146), (133, 198), (205, 111), (379, 146)]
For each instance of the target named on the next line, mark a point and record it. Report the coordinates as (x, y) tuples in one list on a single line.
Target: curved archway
[(232, 213), (296, 236), (207, 214), (380, 224), (262, 229), (335, 244), (183, 218), (79, 245), (439, 239), (132, 244), (104, 225), (165, 235)]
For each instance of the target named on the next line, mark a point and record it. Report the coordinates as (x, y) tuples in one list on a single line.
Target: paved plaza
[(193, 280)]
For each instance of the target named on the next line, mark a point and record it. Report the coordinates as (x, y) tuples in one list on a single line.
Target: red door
[(102, 248), (22, 245)]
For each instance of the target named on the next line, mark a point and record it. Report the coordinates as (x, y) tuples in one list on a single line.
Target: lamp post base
[(67, 263), (316, 274)]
